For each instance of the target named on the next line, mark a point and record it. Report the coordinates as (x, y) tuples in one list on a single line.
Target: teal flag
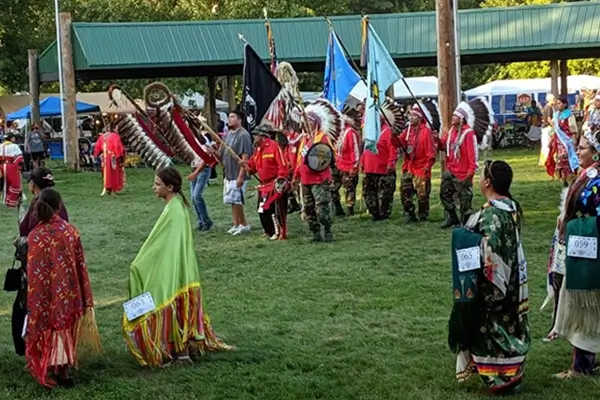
[(381, 74)]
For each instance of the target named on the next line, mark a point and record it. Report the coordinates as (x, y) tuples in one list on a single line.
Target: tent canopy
[(539, 85), (423, 86), (50, 107)]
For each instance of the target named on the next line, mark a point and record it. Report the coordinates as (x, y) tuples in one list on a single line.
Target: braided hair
[(500, 175), (47, 204), (171, 177)]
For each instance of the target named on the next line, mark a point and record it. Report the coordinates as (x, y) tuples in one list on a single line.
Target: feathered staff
[(271, 39)]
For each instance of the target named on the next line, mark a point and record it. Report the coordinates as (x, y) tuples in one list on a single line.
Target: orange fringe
[(175, 325)]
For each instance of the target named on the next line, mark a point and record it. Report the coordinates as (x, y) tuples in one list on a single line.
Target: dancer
[(472, 123), (419, 158), (348, 151), (562, 157), (110, 147), (60, 302), (269, 163), (547, 128), (313, 172), (166, 267), (489, 327), (11, 163), (572, 281)]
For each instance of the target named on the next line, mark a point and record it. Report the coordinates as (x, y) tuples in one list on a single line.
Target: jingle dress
[(577, 294), (166, 267), (488, 326), (60, 302)]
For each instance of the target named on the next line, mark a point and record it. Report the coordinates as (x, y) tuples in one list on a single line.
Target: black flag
[(260, 88)]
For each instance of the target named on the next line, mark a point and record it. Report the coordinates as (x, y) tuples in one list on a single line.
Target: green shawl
[(166, 264)]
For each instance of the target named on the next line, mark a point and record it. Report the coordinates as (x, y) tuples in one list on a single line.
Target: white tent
[(539, 85), (424, 86), (196, 100)]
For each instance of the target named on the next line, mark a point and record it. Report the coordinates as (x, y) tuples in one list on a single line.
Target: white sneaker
[(241, 230), (232, 229)]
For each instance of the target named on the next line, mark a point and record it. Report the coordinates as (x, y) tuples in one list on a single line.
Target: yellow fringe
[(89, 338), (156, 350)]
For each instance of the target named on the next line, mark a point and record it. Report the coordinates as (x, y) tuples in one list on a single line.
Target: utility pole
[(446, 61)]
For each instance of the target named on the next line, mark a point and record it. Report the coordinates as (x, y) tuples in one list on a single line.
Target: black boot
[(339, 210), (350, 211), (376, 217), (293, 206), (410, 217), (451, 220), (317, 237), (328, 235)]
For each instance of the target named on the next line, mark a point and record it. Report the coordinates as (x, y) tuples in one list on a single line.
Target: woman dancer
[(167, 268), (489, 327), (59, 298), (577, 287)]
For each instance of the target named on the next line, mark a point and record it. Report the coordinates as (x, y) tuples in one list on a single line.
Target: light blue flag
[(340, 77), (381, 74)]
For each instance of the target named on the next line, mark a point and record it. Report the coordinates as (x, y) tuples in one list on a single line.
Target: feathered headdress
[(327, 117), (286, 75), (394, 114), (478, 114), (432, 112), (352, 116)]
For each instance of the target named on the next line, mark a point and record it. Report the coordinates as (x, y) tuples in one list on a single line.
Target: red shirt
[(306, 175), (461, 151), (348, 150), (386, 157), (269, 164), (422, 156)]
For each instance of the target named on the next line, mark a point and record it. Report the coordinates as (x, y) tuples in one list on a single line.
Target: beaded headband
[(593, 140)]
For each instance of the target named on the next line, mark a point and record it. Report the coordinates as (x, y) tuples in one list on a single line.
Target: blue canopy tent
[(50, 107)]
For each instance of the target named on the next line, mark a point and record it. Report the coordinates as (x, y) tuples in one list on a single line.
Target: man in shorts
[(34, 145), (235, 178)]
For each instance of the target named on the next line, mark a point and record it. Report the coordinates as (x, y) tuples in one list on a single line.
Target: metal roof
[(196, 48)]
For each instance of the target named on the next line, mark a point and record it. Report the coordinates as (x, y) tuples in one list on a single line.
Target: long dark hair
[(171, 177), (500, 175), (47, 204)]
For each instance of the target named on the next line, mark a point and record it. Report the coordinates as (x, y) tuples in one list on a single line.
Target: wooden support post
[(564, 74), (554, 77), (70, 132), (34, 87), (230, 92), (446, 62), (210, 102)]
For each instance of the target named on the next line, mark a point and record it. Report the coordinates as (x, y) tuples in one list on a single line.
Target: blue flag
[(381, 74), (340, 77)]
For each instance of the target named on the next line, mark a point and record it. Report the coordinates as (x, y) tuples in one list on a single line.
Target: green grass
[(362, 318)]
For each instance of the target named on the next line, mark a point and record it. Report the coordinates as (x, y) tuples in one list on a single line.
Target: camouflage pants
[(453, 189), (336, 177), (349, 183), (411, 185), (378, 191), (316, 206)]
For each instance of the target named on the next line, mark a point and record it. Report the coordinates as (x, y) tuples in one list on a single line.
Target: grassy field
[(362, 318)]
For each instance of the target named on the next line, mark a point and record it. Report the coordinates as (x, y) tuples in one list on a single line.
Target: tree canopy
[(29, 24)]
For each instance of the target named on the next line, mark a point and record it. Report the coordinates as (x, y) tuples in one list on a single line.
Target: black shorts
[(38, 156)]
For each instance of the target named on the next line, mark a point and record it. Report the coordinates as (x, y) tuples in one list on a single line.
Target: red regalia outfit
[(558, 155), (348, 151), (11, 159), (460, 146), (419, 157), (269, 163), (110, 147)]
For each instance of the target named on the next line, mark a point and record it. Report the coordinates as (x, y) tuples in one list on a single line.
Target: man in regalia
[(110, 148)]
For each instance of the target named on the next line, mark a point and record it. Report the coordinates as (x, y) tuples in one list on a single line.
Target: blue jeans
[(197, 187)]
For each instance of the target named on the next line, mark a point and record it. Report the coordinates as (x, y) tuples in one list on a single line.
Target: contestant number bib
[(139, 306), (469, 259), (582, 247)]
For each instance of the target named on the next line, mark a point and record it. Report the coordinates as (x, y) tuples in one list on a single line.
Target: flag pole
[(61, 84), (349, 57)]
